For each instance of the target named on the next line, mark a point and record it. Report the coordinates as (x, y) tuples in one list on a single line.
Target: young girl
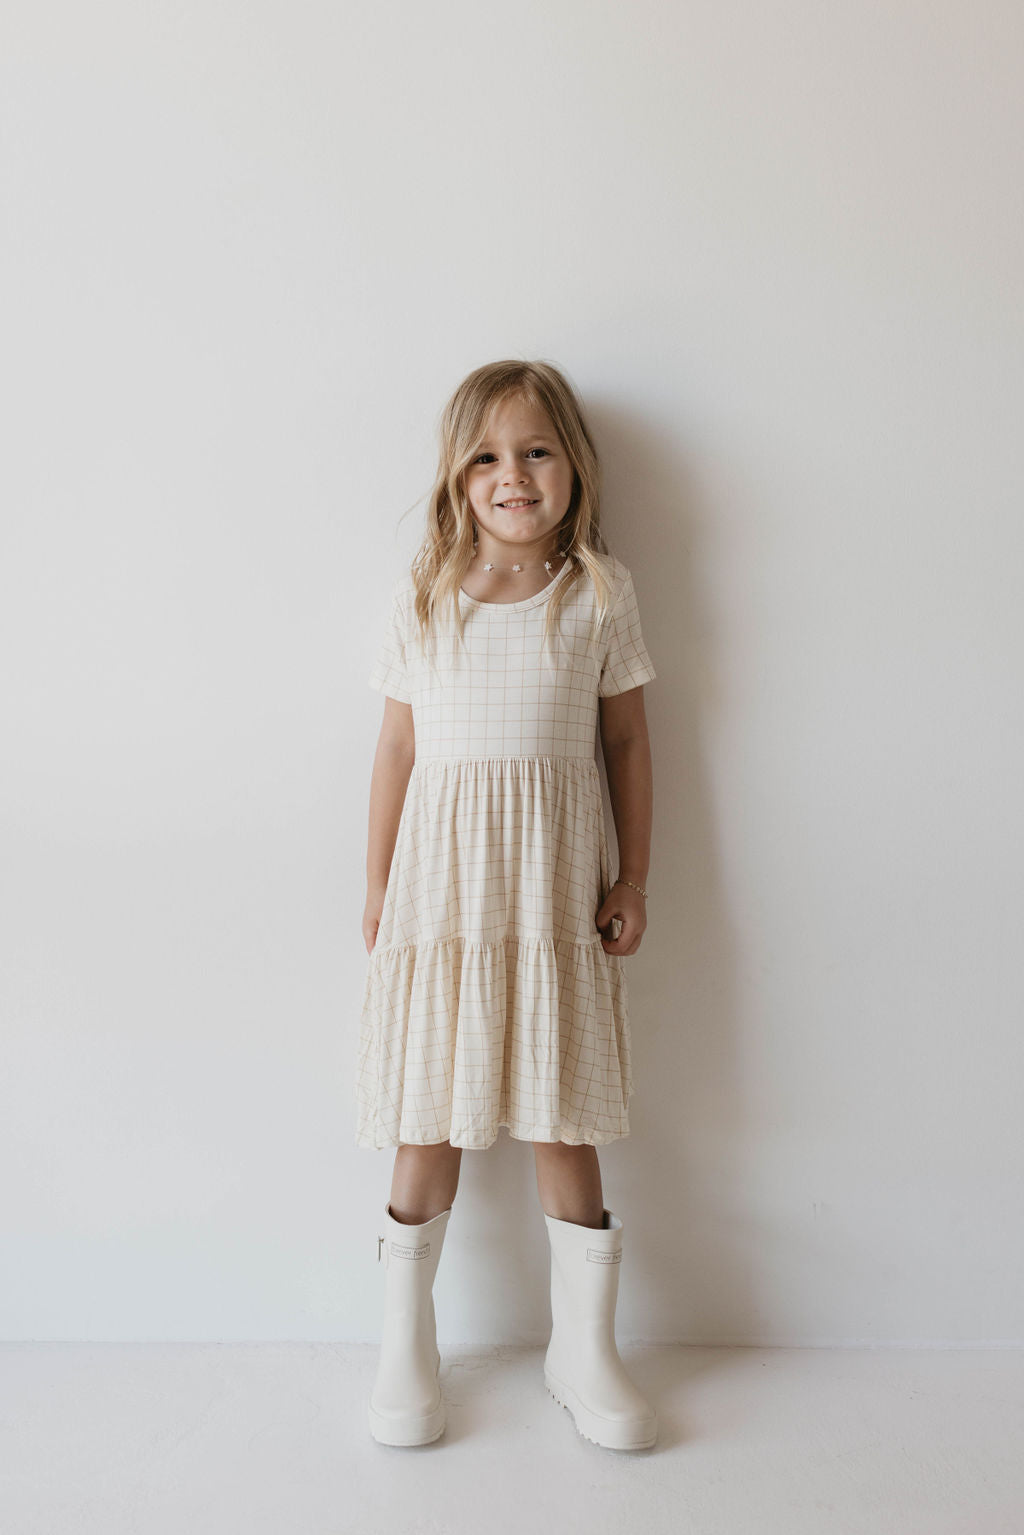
[(495, 992)]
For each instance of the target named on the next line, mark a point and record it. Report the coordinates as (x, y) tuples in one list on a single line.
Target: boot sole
[(423, 1429), (407, 1431), (606, 1432)]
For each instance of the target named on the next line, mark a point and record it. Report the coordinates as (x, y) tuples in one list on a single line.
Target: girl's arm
[(626, 747), (396, 753)]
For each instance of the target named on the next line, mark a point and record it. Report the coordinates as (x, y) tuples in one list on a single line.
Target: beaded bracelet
[(621, 881)]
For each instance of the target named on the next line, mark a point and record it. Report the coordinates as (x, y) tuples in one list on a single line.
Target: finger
[(620, 945), (607, 913)]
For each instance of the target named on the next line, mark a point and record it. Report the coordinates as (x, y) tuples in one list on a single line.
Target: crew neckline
[(524, 602)]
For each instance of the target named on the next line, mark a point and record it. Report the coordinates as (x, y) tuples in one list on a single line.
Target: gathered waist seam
[(498, 757)]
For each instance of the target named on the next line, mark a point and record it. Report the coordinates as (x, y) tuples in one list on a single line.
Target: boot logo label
[(402, 1251), (598, 1255)]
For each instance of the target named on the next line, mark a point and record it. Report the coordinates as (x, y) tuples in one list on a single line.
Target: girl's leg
[(424, 1181), (569, 1182)]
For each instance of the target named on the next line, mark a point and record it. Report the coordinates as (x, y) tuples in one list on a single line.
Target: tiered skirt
[(489, 999)]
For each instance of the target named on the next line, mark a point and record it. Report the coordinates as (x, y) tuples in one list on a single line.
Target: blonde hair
[(446, 552)]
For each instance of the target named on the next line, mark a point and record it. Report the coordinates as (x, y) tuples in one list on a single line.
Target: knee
[(564, 1150), (434, 1154)]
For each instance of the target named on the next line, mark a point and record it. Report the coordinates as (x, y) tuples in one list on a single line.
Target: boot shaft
[(585, 1263), (414, 1243), (406, 1406)]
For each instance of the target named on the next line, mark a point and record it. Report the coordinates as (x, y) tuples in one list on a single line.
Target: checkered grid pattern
[(500, 694), (489, 999)]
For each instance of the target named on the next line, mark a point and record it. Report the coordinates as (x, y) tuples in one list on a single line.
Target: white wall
[(250, 250)]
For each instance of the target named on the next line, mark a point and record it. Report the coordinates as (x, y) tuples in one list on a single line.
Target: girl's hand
[(371, 920), (629, 906)]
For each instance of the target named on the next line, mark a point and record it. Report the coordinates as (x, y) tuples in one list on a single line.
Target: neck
[(526, 556)]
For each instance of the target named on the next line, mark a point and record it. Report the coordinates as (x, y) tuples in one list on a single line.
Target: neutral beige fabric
[(489, 999)]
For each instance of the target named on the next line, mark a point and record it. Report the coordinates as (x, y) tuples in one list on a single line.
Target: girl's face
[(521, 459)]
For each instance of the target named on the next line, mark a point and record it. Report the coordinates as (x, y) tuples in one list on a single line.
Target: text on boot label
[(401, 1251)]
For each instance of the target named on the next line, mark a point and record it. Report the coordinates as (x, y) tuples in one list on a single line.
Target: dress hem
[(517, 1132), (603, 1139)]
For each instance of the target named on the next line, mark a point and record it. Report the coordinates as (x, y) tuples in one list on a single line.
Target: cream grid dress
[(489, 999)]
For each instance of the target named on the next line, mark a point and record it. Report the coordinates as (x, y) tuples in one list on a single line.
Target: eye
[(481, 456)]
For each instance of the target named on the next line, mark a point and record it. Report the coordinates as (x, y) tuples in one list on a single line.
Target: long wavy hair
[(445, 554)]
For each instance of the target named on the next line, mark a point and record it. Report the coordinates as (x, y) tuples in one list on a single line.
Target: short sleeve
[(389, 673), (626, 663)]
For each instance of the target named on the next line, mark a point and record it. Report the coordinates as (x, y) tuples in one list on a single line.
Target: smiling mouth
[(516, 506)]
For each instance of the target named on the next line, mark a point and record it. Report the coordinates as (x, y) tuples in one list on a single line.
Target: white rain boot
[(406, 1406), (582, 1368)]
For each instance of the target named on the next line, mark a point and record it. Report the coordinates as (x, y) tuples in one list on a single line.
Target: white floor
[(240, 1438)]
